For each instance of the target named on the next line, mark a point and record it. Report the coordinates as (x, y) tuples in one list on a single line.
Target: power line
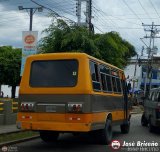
[(102, 14), (62, 3), (62, 7), (154, 8), (132, 10), (144, 10), (99, 29), (123, 28), (120, 19), (99, 19), (56, 15)]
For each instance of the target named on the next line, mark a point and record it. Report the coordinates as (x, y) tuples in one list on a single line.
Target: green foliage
[(17, 136), (10, 62), (109, 47)]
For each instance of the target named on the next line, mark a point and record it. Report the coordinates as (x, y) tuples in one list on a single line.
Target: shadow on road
[(69, 142)]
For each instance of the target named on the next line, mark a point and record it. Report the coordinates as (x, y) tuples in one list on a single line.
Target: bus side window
[(95, 76), (114, 84), (119, 87), (109, 83), (105, 78)]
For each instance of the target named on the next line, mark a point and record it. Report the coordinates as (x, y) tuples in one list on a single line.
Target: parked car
[(151, 115)]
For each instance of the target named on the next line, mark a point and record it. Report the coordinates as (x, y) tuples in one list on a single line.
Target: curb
[(133, 113), (18, 141), (136, 113)]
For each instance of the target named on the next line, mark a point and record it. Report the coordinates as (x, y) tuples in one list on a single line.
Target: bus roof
[(73, 54)]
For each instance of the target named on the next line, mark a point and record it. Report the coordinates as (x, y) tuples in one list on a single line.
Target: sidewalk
[(137, 109), (8, 129)]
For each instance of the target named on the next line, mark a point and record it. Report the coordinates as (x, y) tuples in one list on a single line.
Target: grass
[(17, 136), (5, 99)]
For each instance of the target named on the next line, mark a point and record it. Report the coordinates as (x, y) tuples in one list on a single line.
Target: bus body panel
[(91, 103), (83, 85), (65, 122)]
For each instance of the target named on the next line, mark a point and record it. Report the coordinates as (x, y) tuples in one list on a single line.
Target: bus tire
[(125, 127), (105, 135), (49, 136), (151, 127), (144, 121)]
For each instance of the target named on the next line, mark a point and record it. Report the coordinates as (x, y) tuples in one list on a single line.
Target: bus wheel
[(144, 121), (125, 127), (151, 127), (105, 135), (49, 136)]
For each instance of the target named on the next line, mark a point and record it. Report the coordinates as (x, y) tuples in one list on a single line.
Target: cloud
[(123, 16), (13, 22)]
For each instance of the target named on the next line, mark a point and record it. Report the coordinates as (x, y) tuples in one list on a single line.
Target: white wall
[(129, 70), (7, 91)]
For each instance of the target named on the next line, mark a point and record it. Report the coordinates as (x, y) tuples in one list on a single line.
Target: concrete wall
[(8, 112)]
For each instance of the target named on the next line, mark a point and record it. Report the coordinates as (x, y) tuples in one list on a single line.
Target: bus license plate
[(50, 108)]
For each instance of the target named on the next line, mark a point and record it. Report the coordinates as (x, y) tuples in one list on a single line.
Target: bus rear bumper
[(55, 126), (61, 122)]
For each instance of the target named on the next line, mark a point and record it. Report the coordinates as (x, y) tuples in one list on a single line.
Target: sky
[(123, 16)]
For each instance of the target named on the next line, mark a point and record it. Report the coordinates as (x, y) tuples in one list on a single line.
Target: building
[(141, 72)]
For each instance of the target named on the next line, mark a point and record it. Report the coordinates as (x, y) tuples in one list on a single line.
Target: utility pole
[(78, 12), (31, 19), (135, 71), (32, 11), (88, 14), (151, 50)]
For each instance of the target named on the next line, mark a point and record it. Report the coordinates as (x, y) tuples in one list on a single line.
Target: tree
[(110, 47), (10, 62), (114, 49)]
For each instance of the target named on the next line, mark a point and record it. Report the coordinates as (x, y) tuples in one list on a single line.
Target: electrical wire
[(132, 10), (154, 8), (56, 15), (120, 19), (144, 9), (99, 29)]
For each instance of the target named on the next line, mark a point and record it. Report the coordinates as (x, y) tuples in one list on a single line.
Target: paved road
[(84, 143)]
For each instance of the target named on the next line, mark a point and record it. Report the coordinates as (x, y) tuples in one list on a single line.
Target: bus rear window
[(54, 73)]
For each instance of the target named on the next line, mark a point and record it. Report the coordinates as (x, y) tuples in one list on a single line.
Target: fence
[(1, 107), (8, 111), (14, 106)]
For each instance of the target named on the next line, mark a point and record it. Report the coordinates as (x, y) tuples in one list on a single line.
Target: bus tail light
[(77, 108), (27, 106)]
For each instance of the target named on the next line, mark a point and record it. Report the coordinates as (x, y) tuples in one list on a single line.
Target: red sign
[(29, 39)]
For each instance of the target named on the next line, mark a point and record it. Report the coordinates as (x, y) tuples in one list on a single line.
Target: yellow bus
[(72, 92)]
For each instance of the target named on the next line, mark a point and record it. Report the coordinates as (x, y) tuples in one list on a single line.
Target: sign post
[(29, 46)]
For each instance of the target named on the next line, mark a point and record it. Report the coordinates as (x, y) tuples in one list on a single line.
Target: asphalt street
[(86, 143)]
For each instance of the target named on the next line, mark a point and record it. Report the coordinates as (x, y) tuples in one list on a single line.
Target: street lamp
[(32, 11)]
